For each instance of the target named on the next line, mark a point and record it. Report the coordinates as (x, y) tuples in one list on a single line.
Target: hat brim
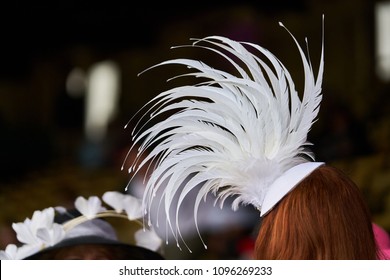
[(121, 250)]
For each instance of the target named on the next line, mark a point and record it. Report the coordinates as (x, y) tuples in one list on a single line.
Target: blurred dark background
[(49, 51)]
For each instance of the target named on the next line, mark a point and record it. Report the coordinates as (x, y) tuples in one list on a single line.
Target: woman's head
[(323, 217)]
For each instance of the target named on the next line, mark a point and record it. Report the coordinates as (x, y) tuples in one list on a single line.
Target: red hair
[(324, 217)]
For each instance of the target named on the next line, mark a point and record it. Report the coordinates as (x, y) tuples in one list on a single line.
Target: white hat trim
[(285, 183)]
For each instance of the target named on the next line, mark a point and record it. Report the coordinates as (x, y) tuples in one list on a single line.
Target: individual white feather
[(231, 135)]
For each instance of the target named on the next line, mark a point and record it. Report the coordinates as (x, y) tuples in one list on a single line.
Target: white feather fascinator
[(242, 135)]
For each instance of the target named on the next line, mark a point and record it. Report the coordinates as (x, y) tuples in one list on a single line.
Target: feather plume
[(230, 135)]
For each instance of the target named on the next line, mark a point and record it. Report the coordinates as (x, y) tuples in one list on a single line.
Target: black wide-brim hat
[(97, 232), (87, 231), (121, 251)]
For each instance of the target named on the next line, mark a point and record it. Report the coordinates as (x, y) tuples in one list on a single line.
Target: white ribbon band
[(285, 183)]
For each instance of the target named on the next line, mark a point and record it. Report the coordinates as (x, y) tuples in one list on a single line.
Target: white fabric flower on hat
[(12, 252), (51, 236), (115, 200), (26, 232), (9, 253), (25, 251), (36, 233), (122, 202), (147, 239), (88, 207), (60, 209)]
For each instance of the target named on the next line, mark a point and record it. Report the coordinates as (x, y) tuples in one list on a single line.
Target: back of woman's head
[(323, 217)]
